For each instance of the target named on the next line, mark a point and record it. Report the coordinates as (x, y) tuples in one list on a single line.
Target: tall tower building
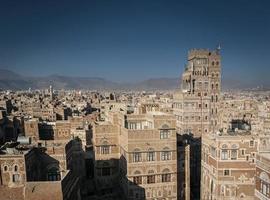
[(196, 103), (51, 92)]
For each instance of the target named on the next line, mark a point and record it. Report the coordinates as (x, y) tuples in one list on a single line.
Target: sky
[(133, 40)]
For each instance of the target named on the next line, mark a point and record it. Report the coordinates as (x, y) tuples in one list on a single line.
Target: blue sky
[(133, 40)]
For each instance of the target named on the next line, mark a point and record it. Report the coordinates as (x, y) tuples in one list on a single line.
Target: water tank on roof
[(24, 140)]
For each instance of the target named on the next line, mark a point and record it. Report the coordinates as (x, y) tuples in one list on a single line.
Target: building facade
[(229, 164), (196, 104)]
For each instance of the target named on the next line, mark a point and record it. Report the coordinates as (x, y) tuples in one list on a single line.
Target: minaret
[(51, 92)]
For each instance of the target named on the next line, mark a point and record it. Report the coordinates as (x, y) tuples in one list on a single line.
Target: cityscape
[(196, 135)]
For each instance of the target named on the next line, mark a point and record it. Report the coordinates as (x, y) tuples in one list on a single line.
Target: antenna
[(218, 48)]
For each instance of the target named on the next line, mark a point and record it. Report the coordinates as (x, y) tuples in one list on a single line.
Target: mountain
[(67, 82), (6, 74), (13, 81), (158, 84)]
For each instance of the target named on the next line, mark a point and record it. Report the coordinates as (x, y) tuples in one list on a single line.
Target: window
[(251, 143), (105, 149), (53, 174), (106, 171), (264, 143), (151, 155), (265, 186), (224, 154), (242, 152), (15, 178), (226, 172), (166, 154), (137, 179), (213, 152), (247, 158), (164, 134), (151, 178), (137, 156), (234, 154), (223, 190), (166, 176), (5, 168)]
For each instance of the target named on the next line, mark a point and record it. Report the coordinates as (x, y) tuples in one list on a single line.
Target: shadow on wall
[(46, 131), (110, 181)]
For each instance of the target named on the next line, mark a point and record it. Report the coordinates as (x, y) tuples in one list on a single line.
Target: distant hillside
[(8, 75), (14, 81), (158, 83)]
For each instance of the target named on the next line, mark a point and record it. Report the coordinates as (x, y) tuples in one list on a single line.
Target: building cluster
[(193, 143)]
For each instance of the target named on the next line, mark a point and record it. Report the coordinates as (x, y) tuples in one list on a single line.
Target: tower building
[(196, 103)]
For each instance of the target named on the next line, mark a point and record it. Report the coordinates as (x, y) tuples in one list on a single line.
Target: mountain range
[(10, 80)]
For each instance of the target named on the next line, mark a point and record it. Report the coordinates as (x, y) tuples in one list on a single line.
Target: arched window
[(265, 184), (224, 152), (151, 177), (242, 195), (137, 155), (151, 155), (15, 168), (137, 179), (166, 176), (105, 148), (166, 154), (224, 146), (234, 152), (164, 132)]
